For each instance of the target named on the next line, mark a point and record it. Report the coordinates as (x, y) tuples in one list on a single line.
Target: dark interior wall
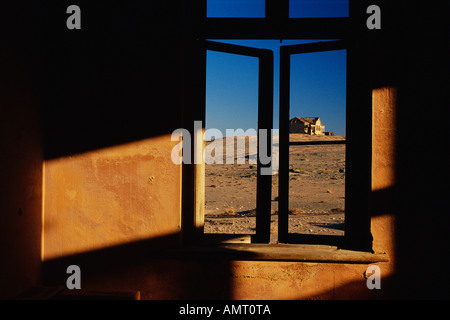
[(423, 219), (114, 80), (410, 54), (21, 151)]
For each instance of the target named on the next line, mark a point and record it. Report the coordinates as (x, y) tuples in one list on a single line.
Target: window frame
[(265, 122), (284, 116), (278, 25)]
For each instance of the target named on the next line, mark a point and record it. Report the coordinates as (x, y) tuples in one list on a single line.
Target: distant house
[(311, 126)]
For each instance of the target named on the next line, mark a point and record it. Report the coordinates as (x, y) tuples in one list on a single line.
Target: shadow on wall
[(158, 273), (144, 266), (116, 80)]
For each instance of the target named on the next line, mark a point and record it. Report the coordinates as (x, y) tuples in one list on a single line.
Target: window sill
[(276, 252)]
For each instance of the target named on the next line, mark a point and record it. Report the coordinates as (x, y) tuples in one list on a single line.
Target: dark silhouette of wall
[(21, 152)]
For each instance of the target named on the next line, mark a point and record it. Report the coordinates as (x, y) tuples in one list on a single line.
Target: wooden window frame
[(283, 190), (265, 122)]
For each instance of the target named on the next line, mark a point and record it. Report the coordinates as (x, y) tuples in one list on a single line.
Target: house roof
[(305, 120)]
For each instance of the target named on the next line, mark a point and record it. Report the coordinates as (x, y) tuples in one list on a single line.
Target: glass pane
[(231, 124), (318, 8), (235, 9), (317, 114), (318, 88)]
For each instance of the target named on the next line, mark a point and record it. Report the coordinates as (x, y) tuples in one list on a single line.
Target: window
[(354, 155), (318, 8), (230, 189), (235, 9), (217, 161), (312, 168), (230, 143)]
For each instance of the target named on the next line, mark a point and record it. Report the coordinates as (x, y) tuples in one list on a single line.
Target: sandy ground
[(316, 190)]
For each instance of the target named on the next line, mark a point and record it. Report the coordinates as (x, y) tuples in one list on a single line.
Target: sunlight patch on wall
[(110, 197), (384, 137)]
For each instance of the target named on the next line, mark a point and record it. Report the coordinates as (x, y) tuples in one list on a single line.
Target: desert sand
[(316, 187)]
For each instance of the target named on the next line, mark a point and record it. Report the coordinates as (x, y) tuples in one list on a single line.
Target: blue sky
[(317, 79), (297, 8)]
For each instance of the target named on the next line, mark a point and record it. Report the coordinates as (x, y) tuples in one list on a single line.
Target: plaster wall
[(111, 196)]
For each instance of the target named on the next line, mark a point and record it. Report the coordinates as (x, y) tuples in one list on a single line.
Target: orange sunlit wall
[(384, 138), (109, 197)]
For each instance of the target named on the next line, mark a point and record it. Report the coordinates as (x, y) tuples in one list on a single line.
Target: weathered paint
[(111, 196)]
